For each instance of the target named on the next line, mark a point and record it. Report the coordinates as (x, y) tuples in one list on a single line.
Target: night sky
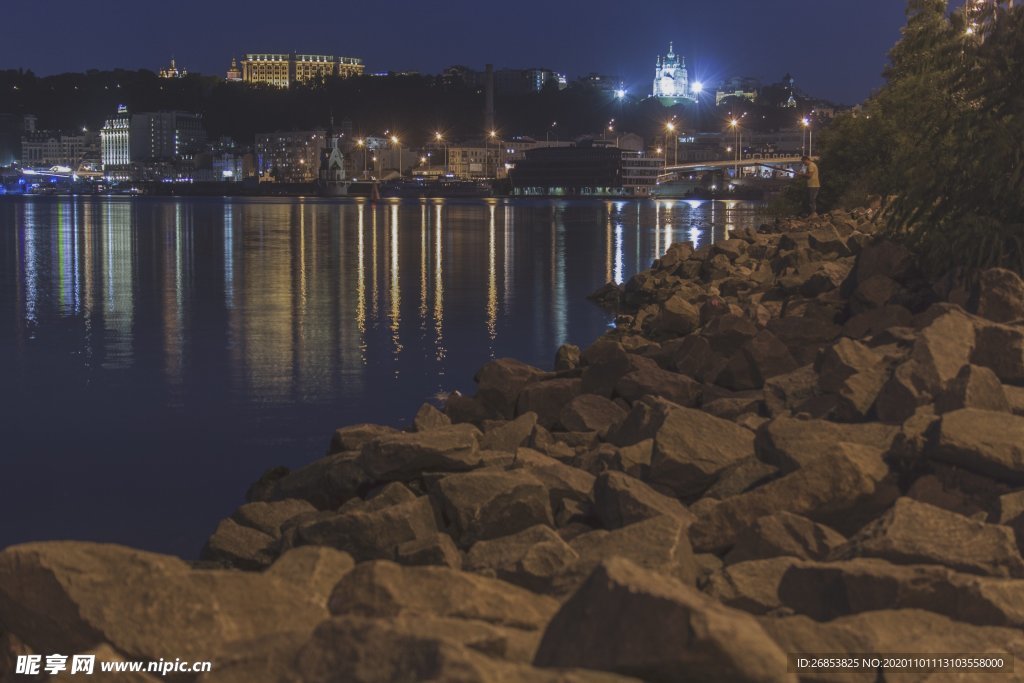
[(836, 49)]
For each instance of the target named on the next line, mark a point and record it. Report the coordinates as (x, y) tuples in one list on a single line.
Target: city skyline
[(836, 51)]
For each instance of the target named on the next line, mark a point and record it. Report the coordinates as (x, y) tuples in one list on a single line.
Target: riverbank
[(793, 441)]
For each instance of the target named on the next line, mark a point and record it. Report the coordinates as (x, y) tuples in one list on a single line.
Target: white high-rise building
[(671, 82)]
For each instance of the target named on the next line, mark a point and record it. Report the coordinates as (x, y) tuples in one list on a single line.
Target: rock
[(239, 546), (530, 558), (324, 483), (784, 533), (659, 544), (917, 533), (405, 456), (438, 549), (562, 482), (691, 448), (394, 493), (500, 382), (315, 569), (883, 257), (568, 356), (869, 632), (466, 410), (354, 437), (727, 333), (67, 596), (902, 394), (826, 490), (875, 292), (828, 242), (366, 650), (983, 441), (590, 412), (490, 503), (973, 387), (803, 336), (1015, 398), (786, 393), (635, 459), (827, 276), (678, 317), (854, 373), (510, 435), (999, 296), (789, 444), (752, 585), (621, 500), (740, 477), (547, 398), (643, 421), (628, 620), (428, 417), (826, 591), (695, 358), (384, 589), (605, 363), (760, 359), (269, 517), (876, 320), (652, 380), (371, 534), (943, 347), (1001, 348)]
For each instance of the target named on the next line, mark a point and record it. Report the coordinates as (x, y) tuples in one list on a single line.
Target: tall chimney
[(489, 98)]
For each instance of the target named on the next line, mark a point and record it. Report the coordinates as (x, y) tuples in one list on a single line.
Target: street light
[(735, 125), (806, 123), (492, 135), (547, 136), (440, 138), (698, 88), (671, 128), (361, 143), (394, 143)]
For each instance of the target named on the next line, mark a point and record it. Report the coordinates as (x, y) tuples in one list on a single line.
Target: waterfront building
[(577, 170), (289, 156), (12, 128), (172, 71), (54, 148), (671, 80), (640, 171), (283, 70), (234, 72), (151, 145)]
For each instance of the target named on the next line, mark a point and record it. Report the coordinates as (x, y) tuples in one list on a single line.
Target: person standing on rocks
[(813, 184)]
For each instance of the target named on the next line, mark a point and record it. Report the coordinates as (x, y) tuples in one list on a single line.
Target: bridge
[(777, 165)]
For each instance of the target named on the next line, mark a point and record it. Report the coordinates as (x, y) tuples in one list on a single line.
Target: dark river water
[(157, 355)]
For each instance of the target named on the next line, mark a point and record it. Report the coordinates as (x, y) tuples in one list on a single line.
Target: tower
[(671, 81)]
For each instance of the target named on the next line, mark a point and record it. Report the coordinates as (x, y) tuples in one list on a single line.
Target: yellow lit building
[(282, 70)]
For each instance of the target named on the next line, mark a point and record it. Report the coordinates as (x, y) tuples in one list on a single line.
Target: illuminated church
[(671, 83)]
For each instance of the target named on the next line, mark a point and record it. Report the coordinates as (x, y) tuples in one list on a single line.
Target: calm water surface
[(157, 355)]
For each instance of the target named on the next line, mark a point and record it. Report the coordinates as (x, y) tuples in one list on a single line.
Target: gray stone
[(547, 398), (654, 381), (678, 317), (500, 382), (510, 435), (752, 585), (854, 373), (371, 534), (786, 393), (628, 620), (789, 443), (973, 387)]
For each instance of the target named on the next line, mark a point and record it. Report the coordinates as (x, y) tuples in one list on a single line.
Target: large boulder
[(912, 532), (653, 380), (943, 346), (826, 591), (691, 448), (789, 443), (850, 479), (499, 383), (591, 413), (999, 296), (853, 373), (405, 456), (325, 483), (752, 585), (67, 596), (983, 441), (621, 500), (1001, 348), (531, 558), (370, 532), (547, 398), (491, 502), (784, 533), (677, 317), (508, 436), (973, 387), (757, 361), (631, 621), (354, 437)]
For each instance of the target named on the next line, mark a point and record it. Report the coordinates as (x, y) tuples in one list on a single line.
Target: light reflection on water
[(159, 354)]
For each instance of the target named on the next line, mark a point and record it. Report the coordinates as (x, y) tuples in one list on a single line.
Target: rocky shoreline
[(793, 441)]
